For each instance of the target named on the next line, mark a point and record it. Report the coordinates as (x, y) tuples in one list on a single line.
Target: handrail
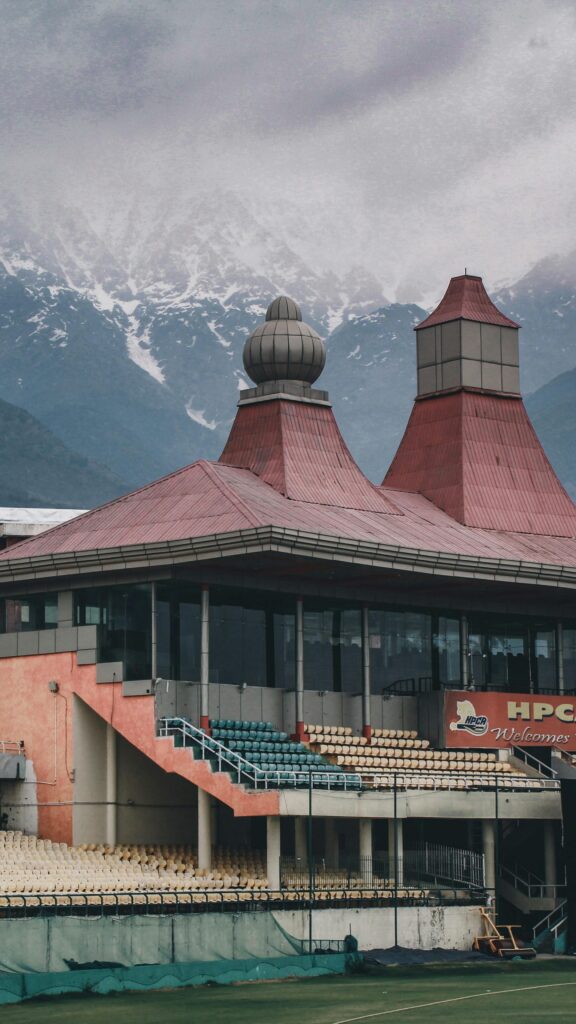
[(259, 776), (534, 762), (403, 778), (12, 747), (532, 890), (548, 923)]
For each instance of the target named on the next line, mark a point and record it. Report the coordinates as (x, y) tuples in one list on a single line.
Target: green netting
[(16, 987), (56, 943)]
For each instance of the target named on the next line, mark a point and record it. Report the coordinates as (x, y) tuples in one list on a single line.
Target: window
[(517, 657), (178, 631), (332, 648), (569, 658), (400, 649), (125, 615), (447, 649), (252, 638), (21, 614)]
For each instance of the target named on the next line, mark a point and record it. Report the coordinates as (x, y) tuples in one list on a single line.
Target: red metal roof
[(466, 299), (297, 448), (478, 458), (210, 498)]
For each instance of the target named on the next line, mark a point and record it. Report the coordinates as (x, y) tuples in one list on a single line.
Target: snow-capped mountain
[(125, 338), (131, 347)]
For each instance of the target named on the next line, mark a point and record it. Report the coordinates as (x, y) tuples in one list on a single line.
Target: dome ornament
[(284, 348)]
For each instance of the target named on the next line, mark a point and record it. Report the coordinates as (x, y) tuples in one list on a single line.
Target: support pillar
[(111, 786), (204, 658), (550, 876), (204, 830), (365, 849), (301, 841), (560, 655), (366, 687), (154, 635), (331, 850), (273, 851), (299, 668), (464, 674), (489, 851), (400, 849)]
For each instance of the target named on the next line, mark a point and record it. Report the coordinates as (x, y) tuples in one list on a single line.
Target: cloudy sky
[(412, 136)]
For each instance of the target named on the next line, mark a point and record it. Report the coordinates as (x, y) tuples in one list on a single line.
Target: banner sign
[(484, 720)]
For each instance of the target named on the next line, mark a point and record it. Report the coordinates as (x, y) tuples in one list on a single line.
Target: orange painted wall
[(27, 710)]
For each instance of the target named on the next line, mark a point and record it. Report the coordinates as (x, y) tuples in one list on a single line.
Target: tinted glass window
[(251, 638), (333, 649), (21, 614), (400, 649)]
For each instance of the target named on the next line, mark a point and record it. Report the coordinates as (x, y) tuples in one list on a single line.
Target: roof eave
[(279, 540)]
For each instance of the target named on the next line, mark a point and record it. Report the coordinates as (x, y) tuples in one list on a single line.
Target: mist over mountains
[(126, 345)]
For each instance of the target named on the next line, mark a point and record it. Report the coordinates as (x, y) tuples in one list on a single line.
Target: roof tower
[(285, 431), (469, 445)]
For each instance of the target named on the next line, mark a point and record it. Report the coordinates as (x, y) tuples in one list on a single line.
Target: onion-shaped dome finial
[(284, 347)]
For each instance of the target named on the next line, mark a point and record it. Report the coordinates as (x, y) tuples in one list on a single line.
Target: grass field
[(515, 993)]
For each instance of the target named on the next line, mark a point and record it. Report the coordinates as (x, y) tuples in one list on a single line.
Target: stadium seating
[(397, 755), (32, 865), (263, 754)]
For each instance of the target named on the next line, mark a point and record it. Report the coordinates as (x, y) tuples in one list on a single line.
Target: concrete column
[(464, 651), (273, 851), (299, 667), (400, 842), (65, 608), (366, 687), (204, 657), (365, 849), (331, 850), (550, 876), (560, 655), (111, 786), (489, 851), (301, 840), (204, 830)]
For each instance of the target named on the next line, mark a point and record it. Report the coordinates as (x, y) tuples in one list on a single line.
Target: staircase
[(527, 892), (550, 933)]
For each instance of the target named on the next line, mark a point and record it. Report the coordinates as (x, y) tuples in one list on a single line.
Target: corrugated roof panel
[(466, 299)]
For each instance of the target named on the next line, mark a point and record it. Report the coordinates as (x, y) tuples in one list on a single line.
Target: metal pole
[(204, 657), (366, 709), (464, 651), (395, 862), (496, 846), (299, 668), (154, 635), (310, 864)]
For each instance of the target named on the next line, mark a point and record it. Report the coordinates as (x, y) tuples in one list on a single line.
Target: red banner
[(484, 720)]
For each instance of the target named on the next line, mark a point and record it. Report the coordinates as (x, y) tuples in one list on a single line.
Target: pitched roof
[(466, 299), (207, 499), (297, 448), (477, 457)]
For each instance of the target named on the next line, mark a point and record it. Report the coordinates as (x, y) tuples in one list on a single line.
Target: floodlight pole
[(310, 864), (395, 793)]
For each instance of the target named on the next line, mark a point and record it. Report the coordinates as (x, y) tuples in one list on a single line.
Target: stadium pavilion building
[(269, 661)]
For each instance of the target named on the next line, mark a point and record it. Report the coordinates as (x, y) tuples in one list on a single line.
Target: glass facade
[(178, 631), (519, 657), (125, 617), (446, 651), (20, 614), (332, 648), (569, 658), (400, 650), (252, 639)]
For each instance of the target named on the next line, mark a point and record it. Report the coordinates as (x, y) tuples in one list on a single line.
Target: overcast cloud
[(413, 137)]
